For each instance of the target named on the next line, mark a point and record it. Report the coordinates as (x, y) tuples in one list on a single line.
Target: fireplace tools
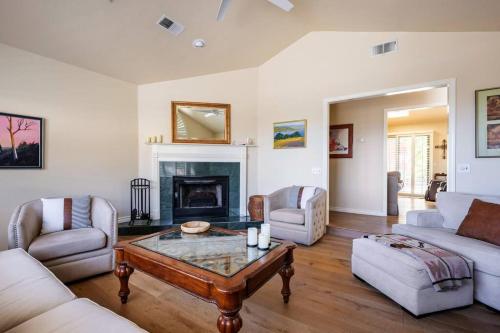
[(140, 200)]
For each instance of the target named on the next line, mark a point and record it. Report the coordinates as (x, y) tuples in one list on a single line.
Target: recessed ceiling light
[(199, 43), (398, 114), (409, 91)]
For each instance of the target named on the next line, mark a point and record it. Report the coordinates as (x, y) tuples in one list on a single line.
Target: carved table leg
[(123, 272), (229, 322), (286, 273)]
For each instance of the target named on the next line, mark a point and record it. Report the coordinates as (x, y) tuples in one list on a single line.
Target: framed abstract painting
[(488, 123), (290, 134), (341, 141), (21, 142)]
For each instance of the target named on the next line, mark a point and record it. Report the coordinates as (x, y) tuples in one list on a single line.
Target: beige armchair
[(70, 254), (304, 226)]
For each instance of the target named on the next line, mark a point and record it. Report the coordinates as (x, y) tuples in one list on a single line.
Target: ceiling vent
[(173, 27), (385, 48)]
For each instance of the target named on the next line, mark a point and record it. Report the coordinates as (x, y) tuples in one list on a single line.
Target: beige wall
[(294, 83), (90, 131), (238, 88), (357, 183)]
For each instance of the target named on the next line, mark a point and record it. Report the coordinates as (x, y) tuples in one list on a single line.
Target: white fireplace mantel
[(196, 153)]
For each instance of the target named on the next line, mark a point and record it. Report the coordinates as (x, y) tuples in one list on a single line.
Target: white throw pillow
[(53, 215), (307, 193), (65, 213)]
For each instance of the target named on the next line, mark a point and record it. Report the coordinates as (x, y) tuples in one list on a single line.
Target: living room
[(92, 86)]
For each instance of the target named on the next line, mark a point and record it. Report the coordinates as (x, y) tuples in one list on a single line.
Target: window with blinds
[(410, 154)]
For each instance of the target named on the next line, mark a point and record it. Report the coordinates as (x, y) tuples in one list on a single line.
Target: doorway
[(421, 145)]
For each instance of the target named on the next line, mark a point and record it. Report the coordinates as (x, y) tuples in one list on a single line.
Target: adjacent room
[(249, 166)]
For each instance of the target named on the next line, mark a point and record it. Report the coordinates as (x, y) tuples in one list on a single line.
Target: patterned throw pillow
[(65, 213), (299, 195)]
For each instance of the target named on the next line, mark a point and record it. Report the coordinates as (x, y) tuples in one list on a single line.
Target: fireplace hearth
[(200, 196)]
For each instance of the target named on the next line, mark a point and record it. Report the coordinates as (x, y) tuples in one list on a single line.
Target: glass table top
[(214, 250)]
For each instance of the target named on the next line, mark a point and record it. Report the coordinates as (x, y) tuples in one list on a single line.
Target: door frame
[(451, 84)]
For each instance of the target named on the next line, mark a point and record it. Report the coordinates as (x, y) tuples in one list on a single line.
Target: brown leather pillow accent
[(482, 222)]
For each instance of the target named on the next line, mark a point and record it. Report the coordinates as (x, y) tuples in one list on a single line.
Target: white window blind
[(410, 154)]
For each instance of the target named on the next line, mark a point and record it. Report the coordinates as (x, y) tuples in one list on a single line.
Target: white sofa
[(439, 227), (32, 299)]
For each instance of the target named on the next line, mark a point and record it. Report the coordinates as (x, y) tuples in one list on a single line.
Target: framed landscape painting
[(488, 123), (290, 134), (20, 142), (341, 141)]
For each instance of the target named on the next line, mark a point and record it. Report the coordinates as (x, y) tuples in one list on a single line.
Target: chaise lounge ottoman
[(404, 279)]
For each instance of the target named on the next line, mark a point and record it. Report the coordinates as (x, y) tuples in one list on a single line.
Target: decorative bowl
[(195, 227)]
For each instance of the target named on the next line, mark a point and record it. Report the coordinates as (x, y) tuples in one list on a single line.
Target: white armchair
[(70, 254), (304, 226)]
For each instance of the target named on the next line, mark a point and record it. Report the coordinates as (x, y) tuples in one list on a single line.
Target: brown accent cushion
[(482, 222)]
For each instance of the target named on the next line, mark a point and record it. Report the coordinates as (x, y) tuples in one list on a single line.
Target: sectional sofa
[(439, 227), (32, 299)]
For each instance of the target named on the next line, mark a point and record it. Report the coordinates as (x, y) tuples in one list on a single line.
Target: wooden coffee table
[(215, 266)]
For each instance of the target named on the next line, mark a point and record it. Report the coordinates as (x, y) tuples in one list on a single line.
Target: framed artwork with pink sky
[(21, 142)]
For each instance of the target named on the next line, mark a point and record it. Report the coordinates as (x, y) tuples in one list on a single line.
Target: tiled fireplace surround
[(197, 160)]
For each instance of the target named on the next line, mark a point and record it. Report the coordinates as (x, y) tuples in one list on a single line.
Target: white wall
[(90, 132), (357, 183), (238, 88), (294, 83)]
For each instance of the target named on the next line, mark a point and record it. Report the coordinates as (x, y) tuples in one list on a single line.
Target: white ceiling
[(121, 38)]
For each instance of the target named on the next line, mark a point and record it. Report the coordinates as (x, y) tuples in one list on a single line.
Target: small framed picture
[(290, 134), (341, 141), (21, 142), (488, 123)]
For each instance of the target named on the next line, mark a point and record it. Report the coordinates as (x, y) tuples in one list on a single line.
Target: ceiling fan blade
[(224, 4), (283, 4)]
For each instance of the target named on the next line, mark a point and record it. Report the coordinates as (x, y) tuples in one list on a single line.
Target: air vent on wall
[(385, 48), (173, 27)]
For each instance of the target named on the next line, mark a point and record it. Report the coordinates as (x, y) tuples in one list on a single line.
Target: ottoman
[(404, 279)]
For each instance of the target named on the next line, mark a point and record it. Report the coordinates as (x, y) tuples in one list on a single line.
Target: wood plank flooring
[(354, 225), (325, 298)]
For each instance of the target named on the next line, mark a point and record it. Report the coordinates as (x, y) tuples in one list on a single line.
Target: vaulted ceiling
[(120, 38)]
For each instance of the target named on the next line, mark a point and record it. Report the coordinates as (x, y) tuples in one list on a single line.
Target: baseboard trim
[(358, 211), (123, 219)]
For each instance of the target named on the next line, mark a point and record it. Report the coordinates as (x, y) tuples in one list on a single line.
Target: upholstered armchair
[(69, 254), (394, 185), (304, 226)]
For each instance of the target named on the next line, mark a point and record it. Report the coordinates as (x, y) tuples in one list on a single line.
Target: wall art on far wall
[(488, 122), (290, 134), (21, 142), (341, 141)]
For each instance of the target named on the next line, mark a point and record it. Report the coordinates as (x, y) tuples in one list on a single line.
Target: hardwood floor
[(354, 225), (325, 298)]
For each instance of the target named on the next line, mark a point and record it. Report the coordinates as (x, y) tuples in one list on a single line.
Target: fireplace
[(200, 196)]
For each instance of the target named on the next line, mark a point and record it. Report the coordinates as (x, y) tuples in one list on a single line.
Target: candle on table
[(265, 228), (263, 241), (252, 237)]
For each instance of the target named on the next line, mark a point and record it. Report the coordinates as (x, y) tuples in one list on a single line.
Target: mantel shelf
[(197, 144)]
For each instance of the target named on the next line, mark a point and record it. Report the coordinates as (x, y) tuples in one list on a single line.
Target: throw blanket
[(446, 269)]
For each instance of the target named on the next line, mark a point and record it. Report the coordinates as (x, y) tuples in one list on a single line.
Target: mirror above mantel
[(205, 123)]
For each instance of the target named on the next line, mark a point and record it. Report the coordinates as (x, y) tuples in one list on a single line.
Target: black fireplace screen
[(200, 196)]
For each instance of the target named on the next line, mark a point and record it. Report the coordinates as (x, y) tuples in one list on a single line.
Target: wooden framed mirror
[(194, 122)]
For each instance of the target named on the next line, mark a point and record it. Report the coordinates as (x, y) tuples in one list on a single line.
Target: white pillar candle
[(252, 237), (263, 241), (265, 228)]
